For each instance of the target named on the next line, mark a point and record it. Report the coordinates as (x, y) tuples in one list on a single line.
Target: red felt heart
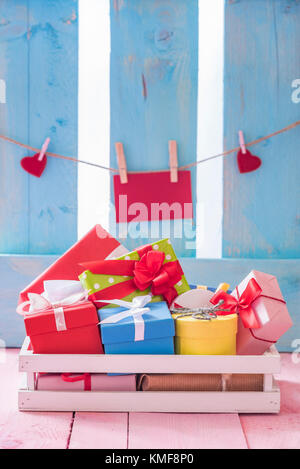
[(33, 166), (247, 162)]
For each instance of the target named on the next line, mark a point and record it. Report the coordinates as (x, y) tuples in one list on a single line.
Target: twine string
[(55, 155), (205, 313), (253, 142), (187, 166)]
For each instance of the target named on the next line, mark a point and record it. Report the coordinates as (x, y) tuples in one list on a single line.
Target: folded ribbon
[(136, 309), (242, 305), (56, 295), (149, 271), (85, 377)]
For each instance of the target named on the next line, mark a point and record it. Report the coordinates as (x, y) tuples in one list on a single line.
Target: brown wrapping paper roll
[(199, 382), (180, 382), (239, 382)]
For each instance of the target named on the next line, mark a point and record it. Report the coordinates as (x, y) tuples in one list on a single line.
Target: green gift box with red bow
[(153, 268)]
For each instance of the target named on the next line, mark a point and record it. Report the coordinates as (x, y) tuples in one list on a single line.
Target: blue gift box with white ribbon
[(139, 327)]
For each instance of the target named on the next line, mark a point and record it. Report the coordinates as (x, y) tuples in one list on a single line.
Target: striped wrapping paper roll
[(200, 382)]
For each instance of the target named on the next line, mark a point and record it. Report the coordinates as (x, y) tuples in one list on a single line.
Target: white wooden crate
[(267, 401)]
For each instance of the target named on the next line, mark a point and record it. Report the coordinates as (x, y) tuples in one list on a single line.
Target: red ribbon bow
[(242, 305), (149, 271)]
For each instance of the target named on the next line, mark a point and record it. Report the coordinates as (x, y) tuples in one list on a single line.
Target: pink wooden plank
[(99, 431), (182, 431), (280, 431), (20, 430), (51, 430)]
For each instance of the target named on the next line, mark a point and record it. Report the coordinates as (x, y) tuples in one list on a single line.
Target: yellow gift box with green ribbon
[(153, 268)]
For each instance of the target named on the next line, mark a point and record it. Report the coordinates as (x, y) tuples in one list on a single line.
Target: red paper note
[(151, 196)]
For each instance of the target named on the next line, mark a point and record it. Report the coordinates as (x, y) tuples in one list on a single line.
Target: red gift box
[(68, 329), (97, 244)]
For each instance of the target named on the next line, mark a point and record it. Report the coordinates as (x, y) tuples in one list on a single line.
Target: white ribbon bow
[(136, 309), (56, 294)]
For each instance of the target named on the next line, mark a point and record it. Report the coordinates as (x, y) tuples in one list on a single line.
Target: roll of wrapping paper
[(240, 382), (200, 382)]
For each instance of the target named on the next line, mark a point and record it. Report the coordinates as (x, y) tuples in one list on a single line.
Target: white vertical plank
[(210, 129), (2, 91), (31, 381), (94, 113), (268, 382)]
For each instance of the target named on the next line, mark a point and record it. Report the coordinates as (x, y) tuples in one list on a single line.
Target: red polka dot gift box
[(153, 268)]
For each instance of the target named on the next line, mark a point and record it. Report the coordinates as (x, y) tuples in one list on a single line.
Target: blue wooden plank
[(261, 215), (14, 182), (154, 61), (53, 88), (38, 62)]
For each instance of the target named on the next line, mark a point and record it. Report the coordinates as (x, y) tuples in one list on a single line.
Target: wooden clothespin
[(242, 142), (44, 149), (245, 160), (121, 162), (173, 161)]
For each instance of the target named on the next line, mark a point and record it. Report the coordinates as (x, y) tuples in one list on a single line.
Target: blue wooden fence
[(153, 99), (262, 58), (154, 68)]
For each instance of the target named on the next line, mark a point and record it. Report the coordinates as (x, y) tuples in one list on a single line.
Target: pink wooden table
[(137, 430)]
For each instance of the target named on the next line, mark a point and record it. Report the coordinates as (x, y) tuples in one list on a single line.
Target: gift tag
[(247, 162), (196, 298), (34, 165), (149, 196)]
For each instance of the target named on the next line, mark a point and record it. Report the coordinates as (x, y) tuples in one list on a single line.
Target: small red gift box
[(68, 329)]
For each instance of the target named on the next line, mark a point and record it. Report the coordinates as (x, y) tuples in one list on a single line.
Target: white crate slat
[(267, 401), (267, 363), (208, 402)]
